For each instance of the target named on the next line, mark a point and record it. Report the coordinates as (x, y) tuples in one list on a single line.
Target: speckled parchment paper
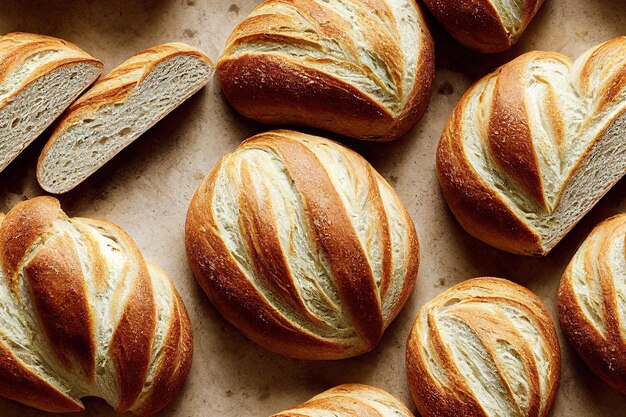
[(146, 189)]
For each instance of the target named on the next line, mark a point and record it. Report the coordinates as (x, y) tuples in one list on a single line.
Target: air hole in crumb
[(87, 121), (103, 141), (125, 131), (15, 122)]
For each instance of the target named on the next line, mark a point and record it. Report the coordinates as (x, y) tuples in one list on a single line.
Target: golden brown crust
[(68, 267), (133, 340), (478, 25), (59, 294), (496, 326), (350, 400), (522, 137), (253, 275), (591, 312), (509, 136), (315, 88), (175, 362)]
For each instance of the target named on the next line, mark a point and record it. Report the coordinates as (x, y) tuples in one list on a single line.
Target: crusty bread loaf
[(350, 400), (302, 245), (40, 77), (592, 301), (118, 109), (532, 147), (360, 68), (83, 314), (485, 25), (484, 348)]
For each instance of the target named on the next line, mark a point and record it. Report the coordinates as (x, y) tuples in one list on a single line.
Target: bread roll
[(532, 147), (302, 245), (83, 314), (40, 77), (118, 109), (485, 25), (350, 400), (485, 348), (592, 301), (360, 68)]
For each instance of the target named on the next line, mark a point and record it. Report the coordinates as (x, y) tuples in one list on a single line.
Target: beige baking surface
[(146, 190)]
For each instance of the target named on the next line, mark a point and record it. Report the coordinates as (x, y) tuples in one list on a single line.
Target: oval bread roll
[(485, 25), (83, 314), (360, 68), (350, 400), (531, 148), (40, 77), (592, 301), (118, 109), (484, 348), (302, 245)]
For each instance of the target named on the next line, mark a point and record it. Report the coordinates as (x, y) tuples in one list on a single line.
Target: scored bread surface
[(118, 109), (350, 400), (40, 76), (83, 314), (360, 68), (533, 146), (302, 245), (592, 301), (485, 25), (485, 348)]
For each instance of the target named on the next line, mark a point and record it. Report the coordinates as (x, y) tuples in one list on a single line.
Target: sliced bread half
[(118, 109), (40, 77)]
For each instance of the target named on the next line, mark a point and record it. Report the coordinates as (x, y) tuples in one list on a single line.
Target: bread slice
[(40, 77), (118, 109)]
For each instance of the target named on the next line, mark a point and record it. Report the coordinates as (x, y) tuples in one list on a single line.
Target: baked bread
[(83, 314), (360, 68), (302, 245), (592, 302), (350, 400), (40, 77), (485, 25), (532, 147), (484, 348), (118, 109)]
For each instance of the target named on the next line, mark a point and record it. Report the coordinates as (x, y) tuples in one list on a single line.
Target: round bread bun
[(483, 25), (350, 400), (302, 245), (592, 301), (363, 69), (486, 347)]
